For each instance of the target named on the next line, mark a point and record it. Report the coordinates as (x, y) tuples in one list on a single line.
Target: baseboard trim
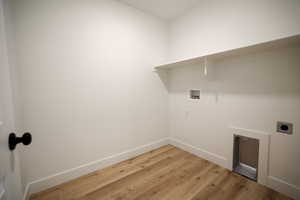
[(59, 178), (284, 187), (277, 184), (2, 191), (274, 183), (212, 157), (26, 192)]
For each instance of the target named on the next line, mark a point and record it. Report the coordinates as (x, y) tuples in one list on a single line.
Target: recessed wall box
[(245, 156), (285, 127), (194, 94)]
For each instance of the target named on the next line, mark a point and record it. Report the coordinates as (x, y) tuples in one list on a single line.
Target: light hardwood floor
[(167, 173)]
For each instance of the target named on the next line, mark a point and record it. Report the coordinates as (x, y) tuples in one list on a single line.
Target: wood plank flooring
[(167, 173)]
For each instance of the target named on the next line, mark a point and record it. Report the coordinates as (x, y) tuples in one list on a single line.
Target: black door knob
[(13, 140)]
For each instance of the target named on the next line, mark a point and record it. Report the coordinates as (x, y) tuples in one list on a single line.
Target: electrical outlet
[(285, 127)]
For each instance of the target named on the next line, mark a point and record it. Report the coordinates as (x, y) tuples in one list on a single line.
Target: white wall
[(85, 72), (218, 25), (86, 81), (252, 92)]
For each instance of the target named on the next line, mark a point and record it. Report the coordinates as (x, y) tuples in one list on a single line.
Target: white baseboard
[(59, 178), (217, 159), (283, 187), (26, 193), (274, 183), (56, 179), (2, 191)]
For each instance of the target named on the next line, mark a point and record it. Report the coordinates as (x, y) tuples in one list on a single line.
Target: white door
[(10, 181)]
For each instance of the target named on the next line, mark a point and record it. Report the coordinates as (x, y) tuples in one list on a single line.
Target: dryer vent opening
[(245, 156)]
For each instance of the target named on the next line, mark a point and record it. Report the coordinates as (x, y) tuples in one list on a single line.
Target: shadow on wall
[(163, 74), (273, 72)]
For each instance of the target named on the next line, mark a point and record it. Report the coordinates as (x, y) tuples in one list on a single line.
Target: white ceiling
[(165, 9)]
